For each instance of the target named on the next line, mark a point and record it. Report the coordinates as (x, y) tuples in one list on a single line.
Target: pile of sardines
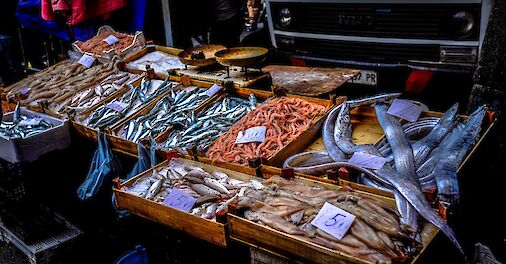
[(213, 191), (22, 125), (110, 114), (421, 155), (376, 234), (171, 110), (201, 131)]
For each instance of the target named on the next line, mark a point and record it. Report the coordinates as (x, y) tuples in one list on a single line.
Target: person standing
[(226, 23)]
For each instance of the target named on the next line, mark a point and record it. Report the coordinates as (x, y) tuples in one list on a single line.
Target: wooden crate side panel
[(207, 230), (295, 248)]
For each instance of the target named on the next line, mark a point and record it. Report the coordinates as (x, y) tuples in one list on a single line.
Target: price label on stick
[(405, 110), (117, 106), (333, 220), (86, 60), (368, 161), (253, 134), (213, 89), (179, 200), (111, 39)]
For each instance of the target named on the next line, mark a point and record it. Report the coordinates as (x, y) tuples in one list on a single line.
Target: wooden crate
[(144, 51), (217, 74), (269, 239), (367, 130), (213, 232)]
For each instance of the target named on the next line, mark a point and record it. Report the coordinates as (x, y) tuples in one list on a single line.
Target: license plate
[(366, 77)]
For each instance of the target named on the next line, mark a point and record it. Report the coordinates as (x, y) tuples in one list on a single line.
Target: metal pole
[(167, 23)]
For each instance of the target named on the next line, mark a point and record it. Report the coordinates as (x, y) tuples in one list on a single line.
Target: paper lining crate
[(211, 231), (146, 50), (280, 243), (227, 90), (138, 42), (301, 142)]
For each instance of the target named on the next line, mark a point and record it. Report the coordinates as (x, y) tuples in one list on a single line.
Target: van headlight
[(462, 23), (285, 17)]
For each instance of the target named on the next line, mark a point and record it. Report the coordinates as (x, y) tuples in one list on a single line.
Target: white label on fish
[(86, 60), (179, 200), (368, 161), (117, 106), (252, 134), (213, 89), (333, 220), (405, 110), (30, 122), (111, 39)]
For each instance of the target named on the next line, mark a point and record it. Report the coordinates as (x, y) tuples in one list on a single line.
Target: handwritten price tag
[(179, 200), (117, 106), (213, 89), (253, 134), (405, 110), (333, 220), (24, 91), (369, 161), (111, 39), (86, 60)]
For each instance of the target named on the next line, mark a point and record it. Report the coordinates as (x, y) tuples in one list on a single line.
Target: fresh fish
[(216, 185), (154, 189), (445, 170), (403, 158), (210, 211), (203, 190)]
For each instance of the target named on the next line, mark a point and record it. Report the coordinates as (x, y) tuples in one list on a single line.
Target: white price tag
[(405, 110), (213, 89), (86, 60), (117, 106), (30, 122), (111, 39), (24, 91), (179, 200), (368, 161), (333, 220), (253, 134)]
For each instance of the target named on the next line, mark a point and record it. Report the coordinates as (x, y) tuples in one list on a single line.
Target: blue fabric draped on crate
[(103, 168)]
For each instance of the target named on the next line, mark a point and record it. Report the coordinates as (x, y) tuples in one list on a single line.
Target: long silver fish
[(445, 170), (403, 159)]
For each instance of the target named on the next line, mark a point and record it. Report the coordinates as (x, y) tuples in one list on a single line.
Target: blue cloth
[(138, 256), (28, 13), (138, 8)]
